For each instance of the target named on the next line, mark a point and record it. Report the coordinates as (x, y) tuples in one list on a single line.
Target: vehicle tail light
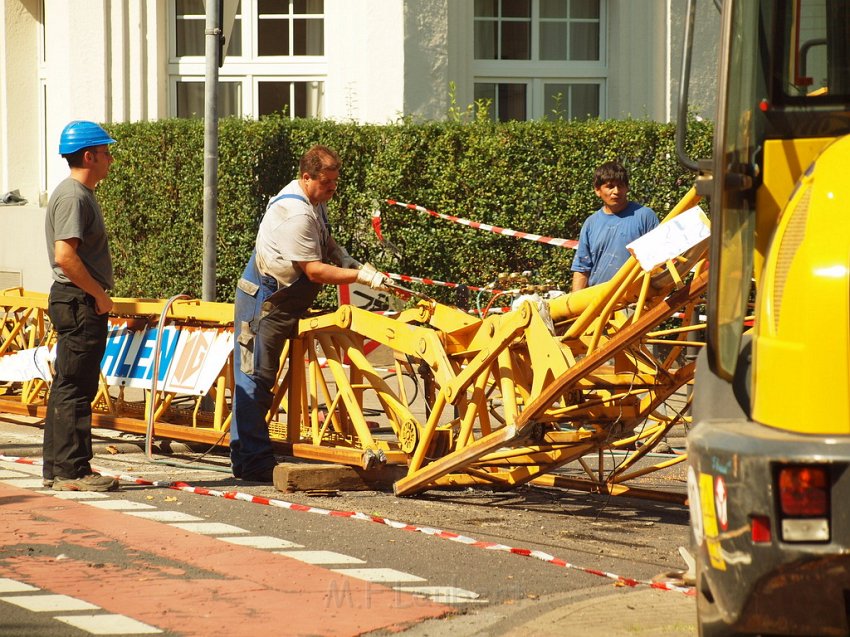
[(760, 529), (804, 491)]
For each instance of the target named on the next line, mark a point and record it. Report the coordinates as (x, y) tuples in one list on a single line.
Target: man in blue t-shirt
[(602, 243)]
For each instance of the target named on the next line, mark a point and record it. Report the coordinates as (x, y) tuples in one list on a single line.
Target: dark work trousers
[(82, 341), (264, 319)]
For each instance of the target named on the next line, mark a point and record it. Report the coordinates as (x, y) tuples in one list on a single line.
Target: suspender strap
[(300, 198), (287, 196)]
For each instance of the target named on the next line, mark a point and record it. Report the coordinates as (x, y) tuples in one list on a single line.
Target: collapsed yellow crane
[(510, 397)]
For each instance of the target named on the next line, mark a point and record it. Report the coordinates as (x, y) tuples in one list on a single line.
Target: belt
[(74, 285)]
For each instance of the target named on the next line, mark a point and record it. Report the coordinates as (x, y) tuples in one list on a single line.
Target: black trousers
[(82, 341)]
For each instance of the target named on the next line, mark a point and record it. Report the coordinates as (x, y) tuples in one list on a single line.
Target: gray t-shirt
[(291, 230), (73, 213)]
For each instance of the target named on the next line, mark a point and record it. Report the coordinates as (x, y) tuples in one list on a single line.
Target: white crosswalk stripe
[(108, 624), (227, 533)]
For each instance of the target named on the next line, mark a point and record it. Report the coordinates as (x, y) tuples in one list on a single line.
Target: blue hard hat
[(81, 134)]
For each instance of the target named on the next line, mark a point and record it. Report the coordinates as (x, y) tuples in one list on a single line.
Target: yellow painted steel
[(785, 161), (507, 400), (804, 296), (25, 313)]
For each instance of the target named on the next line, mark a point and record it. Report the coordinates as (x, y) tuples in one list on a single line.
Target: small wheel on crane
[(408, 436)]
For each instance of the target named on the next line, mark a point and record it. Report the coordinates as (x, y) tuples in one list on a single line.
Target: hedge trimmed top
[(530, 176)]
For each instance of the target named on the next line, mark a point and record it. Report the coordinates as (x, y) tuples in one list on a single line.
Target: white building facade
[(367, 61)]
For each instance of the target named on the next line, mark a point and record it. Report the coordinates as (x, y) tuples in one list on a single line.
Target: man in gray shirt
[(294, 256), (78, 307)]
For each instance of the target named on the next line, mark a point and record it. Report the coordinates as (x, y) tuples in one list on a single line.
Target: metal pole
[(212, 36)]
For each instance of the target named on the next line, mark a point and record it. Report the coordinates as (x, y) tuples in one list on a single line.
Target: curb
[(101, 444)]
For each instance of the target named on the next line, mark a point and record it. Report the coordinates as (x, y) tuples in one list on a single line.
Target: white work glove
[(368, 275)]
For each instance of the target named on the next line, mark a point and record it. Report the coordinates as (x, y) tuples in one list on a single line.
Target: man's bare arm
[(320, 272), (579, 281)]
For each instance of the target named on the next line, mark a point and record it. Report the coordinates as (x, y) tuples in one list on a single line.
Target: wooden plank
[(289, 477)]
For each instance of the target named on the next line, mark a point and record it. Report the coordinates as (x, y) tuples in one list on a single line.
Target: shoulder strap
[(287, 196)]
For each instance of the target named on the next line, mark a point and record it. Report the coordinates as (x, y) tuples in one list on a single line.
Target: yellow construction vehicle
[(769, 457)]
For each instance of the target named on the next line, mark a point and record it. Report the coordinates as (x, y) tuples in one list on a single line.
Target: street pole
[(212, 41)]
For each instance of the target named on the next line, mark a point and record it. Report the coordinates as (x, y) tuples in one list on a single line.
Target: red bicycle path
[(183, 582)]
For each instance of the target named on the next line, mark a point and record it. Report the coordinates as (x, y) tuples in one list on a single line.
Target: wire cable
[(151, 412)]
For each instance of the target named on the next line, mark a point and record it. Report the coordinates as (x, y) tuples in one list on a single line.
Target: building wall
[(107, 60), (138, 57), (364, 46), (637, 67), (426, 55), (21, 131), (77, 65), (703, 83), (23, 255), (23, 251)]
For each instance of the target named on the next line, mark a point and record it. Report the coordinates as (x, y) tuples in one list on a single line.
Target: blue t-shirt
[(602, 243)]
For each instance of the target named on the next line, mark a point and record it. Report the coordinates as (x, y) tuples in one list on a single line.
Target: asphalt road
[(443, 563)]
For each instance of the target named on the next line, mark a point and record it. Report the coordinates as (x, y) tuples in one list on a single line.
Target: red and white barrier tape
[(403, 526), (415, 279), (517, 234)]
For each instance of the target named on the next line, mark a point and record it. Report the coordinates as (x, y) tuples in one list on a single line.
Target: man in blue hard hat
[(78, 307)]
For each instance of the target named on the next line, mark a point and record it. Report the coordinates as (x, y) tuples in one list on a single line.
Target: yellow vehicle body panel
[(785, 161), (801, 377)]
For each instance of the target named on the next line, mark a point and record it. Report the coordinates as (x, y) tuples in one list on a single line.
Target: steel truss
[(508, 399)]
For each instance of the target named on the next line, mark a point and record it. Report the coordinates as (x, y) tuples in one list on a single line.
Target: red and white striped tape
[(426, 281), (517, 234), (403, 526)]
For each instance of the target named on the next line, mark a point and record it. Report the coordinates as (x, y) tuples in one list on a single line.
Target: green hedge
[(529, 176)]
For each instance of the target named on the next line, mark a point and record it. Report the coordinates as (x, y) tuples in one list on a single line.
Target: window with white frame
[(540, 58), (274, 58)]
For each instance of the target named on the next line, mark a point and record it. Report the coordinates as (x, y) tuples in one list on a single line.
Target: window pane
[(308, 6), (584, 41), (553, 8), (485, 97), (511, 102), (556, 103), (584, 9), (190, 25), (553, 41), (516, 8), (585, 101), (309, 37), (184, 7), (485, 91), (485, 40), (309, 99), (280, 7), (234, 47), (273, 37), (190, 99), (485, 8), (190, 37), (516, 41), (275, 97)]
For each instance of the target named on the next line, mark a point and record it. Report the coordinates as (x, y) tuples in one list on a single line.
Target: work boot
[(264, 475), (91, 482)]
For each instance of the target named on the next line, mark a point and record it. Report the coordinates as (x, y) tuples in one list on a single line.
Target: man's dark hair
[(75, 159), (610, 171), (317, 159)]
